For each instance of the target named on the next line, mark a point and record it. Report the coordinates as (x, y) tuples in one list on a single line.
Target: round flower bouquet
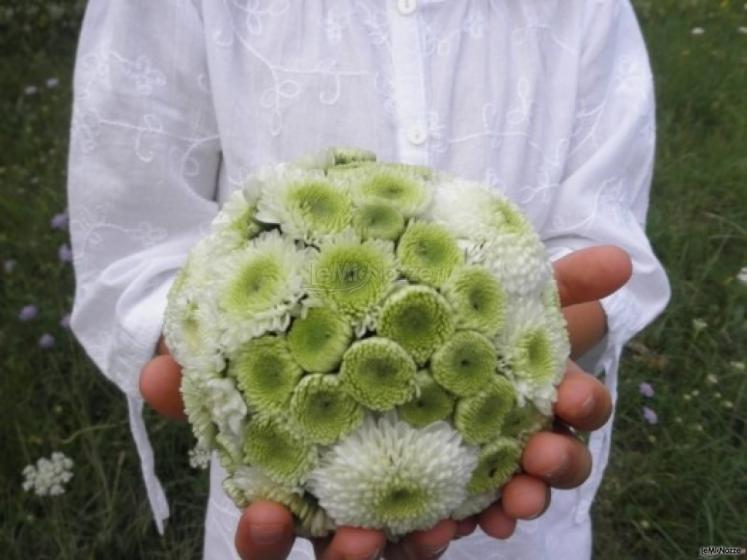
[(369, 344)]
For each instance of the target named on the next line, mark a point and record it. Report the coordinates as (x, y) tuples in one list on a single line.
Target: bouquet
[(368, 343)]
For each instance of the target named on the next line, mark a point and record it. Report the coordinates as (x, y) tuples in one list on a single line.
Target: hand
[(556, 459)]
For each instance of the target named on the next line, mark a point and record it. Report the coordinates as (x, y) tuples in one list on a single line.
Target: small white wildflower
[(52, 83), (199, 457), (645, 525), (742, 274), (30, 90), (712, 379), (678, 419), (742, 30), (687, 397), (699, 324), (727, 404), (49, 476), (695, 392), (697, 31), (739, 366)]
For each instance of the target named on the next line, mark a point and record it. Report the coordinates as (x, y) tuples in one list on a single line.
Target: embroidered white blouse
[(177, 101)]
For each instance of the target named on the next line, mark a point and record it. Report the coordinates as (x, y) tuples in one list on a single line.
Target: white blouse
[(177, 101)]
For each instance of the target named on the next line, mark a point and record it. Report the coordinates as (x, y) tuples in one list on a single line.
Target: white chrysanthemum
[(235, 224), (249, 484), (48, 476), (475, 504), (518, 260), (307, 204), (215, 409), (191, 325), (259, 288), (460, 205), (389, 475), (535, 346)]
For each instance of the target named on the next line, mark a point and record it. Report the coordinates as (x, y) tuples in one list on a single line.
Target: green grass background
[(669, 489)]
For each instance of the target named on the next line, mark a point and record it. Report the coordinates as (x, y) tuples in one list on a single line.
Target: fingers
[(352, 543), (427, 544), (583, 401), (466, 527), (496, 522), (525, 497), (265, 532), (159, 384), (559, 460), (591, 274), (586, 324)]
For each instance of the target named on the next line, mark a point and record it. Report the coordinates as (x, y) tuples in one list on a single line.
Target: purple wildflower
[(28, 312), (646, 390), (65, 253), (46, 341), (9, 265), (52, 82), (59, 221), (650, 416), (65, 321)]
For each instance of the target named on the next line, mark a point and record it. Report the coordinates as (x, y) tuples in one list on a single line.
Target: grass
[(670, 487)]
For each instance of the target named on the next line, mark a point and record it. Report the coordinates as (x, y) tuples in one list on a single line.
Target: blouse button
[(406, 7), (416, 134)]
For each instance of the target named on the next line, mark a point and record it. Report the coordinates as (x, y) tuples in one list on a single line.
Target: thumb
[(265, 532), (160, 379)]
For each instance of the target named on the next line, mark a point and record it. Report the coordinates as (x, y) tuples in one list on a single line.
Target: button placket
[(408, 78)]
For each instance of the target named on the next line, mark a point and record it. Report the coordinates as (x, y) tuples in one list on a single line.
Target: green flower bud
[(498, 461), (378, 220), (533, 358), (431, 403), (418, 319), (323, 411), (285, 457), (480, 418), (465, 364), (319, 340), (379, 373), (266, 373), (477, 298), (428, 253)]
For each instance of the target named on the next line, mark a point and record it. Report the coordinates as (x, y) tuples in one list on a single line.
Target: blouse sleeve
[(143, 164), (604, 195)]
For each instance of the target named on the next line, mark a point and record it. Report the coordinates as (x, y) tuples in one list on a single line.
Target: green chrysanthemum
[(236, 223), (285, 457), (323, 207), (431, 403), (322, 409), (477, 298), (353, 276), (498, 461), (346, 155), (403, 187), (428, 253), (465, 363), (534, 358), (418, 318), (523, 421), (266, 373), (379, 373), (258, 288), (480, 418), (378, 220), (319, 340)]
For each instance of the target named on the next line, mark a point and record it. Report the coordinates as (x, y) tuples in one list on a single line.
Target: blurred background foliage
[(671, 486)]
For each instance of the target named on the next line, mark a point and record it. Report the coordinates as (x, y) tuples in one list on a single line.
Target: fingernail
[(587, 407), (560, 469), (269, 533), (438, 551)]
